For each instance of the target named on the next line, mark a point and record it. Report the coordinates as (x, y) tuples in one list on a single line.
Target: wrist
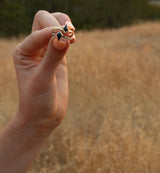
[(41, 128), (20, 142)]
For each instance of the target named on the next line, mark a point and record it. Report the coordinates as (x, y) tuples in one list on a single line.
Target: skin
[(41, 71)]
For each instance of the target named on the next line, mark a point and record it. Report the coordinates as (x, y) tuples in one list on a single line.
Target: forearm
[(19, 144)]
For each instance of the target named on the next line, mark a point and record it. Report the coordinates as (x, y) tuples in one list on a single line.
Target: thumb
[(55, 52)]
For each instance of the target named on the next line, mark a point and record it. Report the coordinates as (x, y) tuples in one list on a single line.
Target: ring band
[(61, 29), (60, 34), (64, 29), (55, 34)]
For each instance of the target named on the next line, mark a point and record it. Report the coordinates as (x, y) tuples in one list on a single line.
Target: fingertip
[(60, 44), (73, 39)]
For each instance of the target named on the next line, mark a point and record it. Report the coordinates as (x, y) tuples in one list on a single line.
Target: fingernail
[(73, 39), (61, 44), (70, 25)]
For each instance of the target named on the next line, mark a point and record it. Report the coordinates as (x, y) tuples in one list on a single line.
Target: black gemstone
[(59, 35), (65, 29)]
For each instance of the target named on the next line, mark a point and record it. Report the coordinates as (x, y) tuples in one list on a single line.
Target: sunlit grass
[(113, 118)]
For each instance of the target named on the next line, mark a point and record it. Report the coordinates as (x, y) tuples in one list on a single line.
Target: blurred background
[(16, 16), (112, 123)]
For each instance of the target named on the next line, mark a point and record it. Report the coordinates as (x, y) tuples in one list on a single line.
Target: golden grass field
[(112, 123)]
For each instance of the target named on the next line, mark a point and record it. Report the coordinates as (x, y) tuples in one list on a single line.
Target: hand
[(41, 70)]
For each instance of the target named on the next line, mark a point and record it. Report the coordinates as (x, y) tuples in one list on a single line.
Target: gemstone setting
[(65, 29), (59, 35)]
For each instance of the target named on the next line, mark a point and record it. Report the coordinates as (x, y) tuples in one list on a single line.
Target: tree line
[(16, 16)]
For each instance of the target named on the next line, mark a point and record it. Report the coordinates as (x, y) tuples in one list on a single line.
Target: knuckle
[(39, 13), (34, 34), (64, 15), (16, 52), (18, 55)]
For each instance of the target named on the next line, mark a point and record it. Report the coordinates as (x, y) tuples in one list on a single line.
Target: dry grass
[(113, 119)]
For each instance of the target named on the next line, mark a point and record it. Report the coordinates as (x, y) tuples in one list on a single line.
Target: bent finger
[(43, 19), (35, 41)]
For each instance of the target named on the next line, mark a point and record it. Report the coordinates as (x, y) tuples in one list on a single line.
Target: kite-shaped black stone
[(59, 35), (65, 29)]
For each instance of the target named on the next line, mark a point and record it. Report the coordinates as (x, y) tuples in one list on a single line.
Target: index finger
[(43, 19), (34, 42)]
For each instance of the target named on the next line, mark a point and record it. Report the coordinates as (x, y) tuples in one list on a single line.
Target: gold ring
[(64, 29), (60, 35)]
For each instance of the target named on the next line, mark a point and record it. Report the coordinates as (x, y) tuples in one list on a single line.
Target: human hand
[(41, 70)]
